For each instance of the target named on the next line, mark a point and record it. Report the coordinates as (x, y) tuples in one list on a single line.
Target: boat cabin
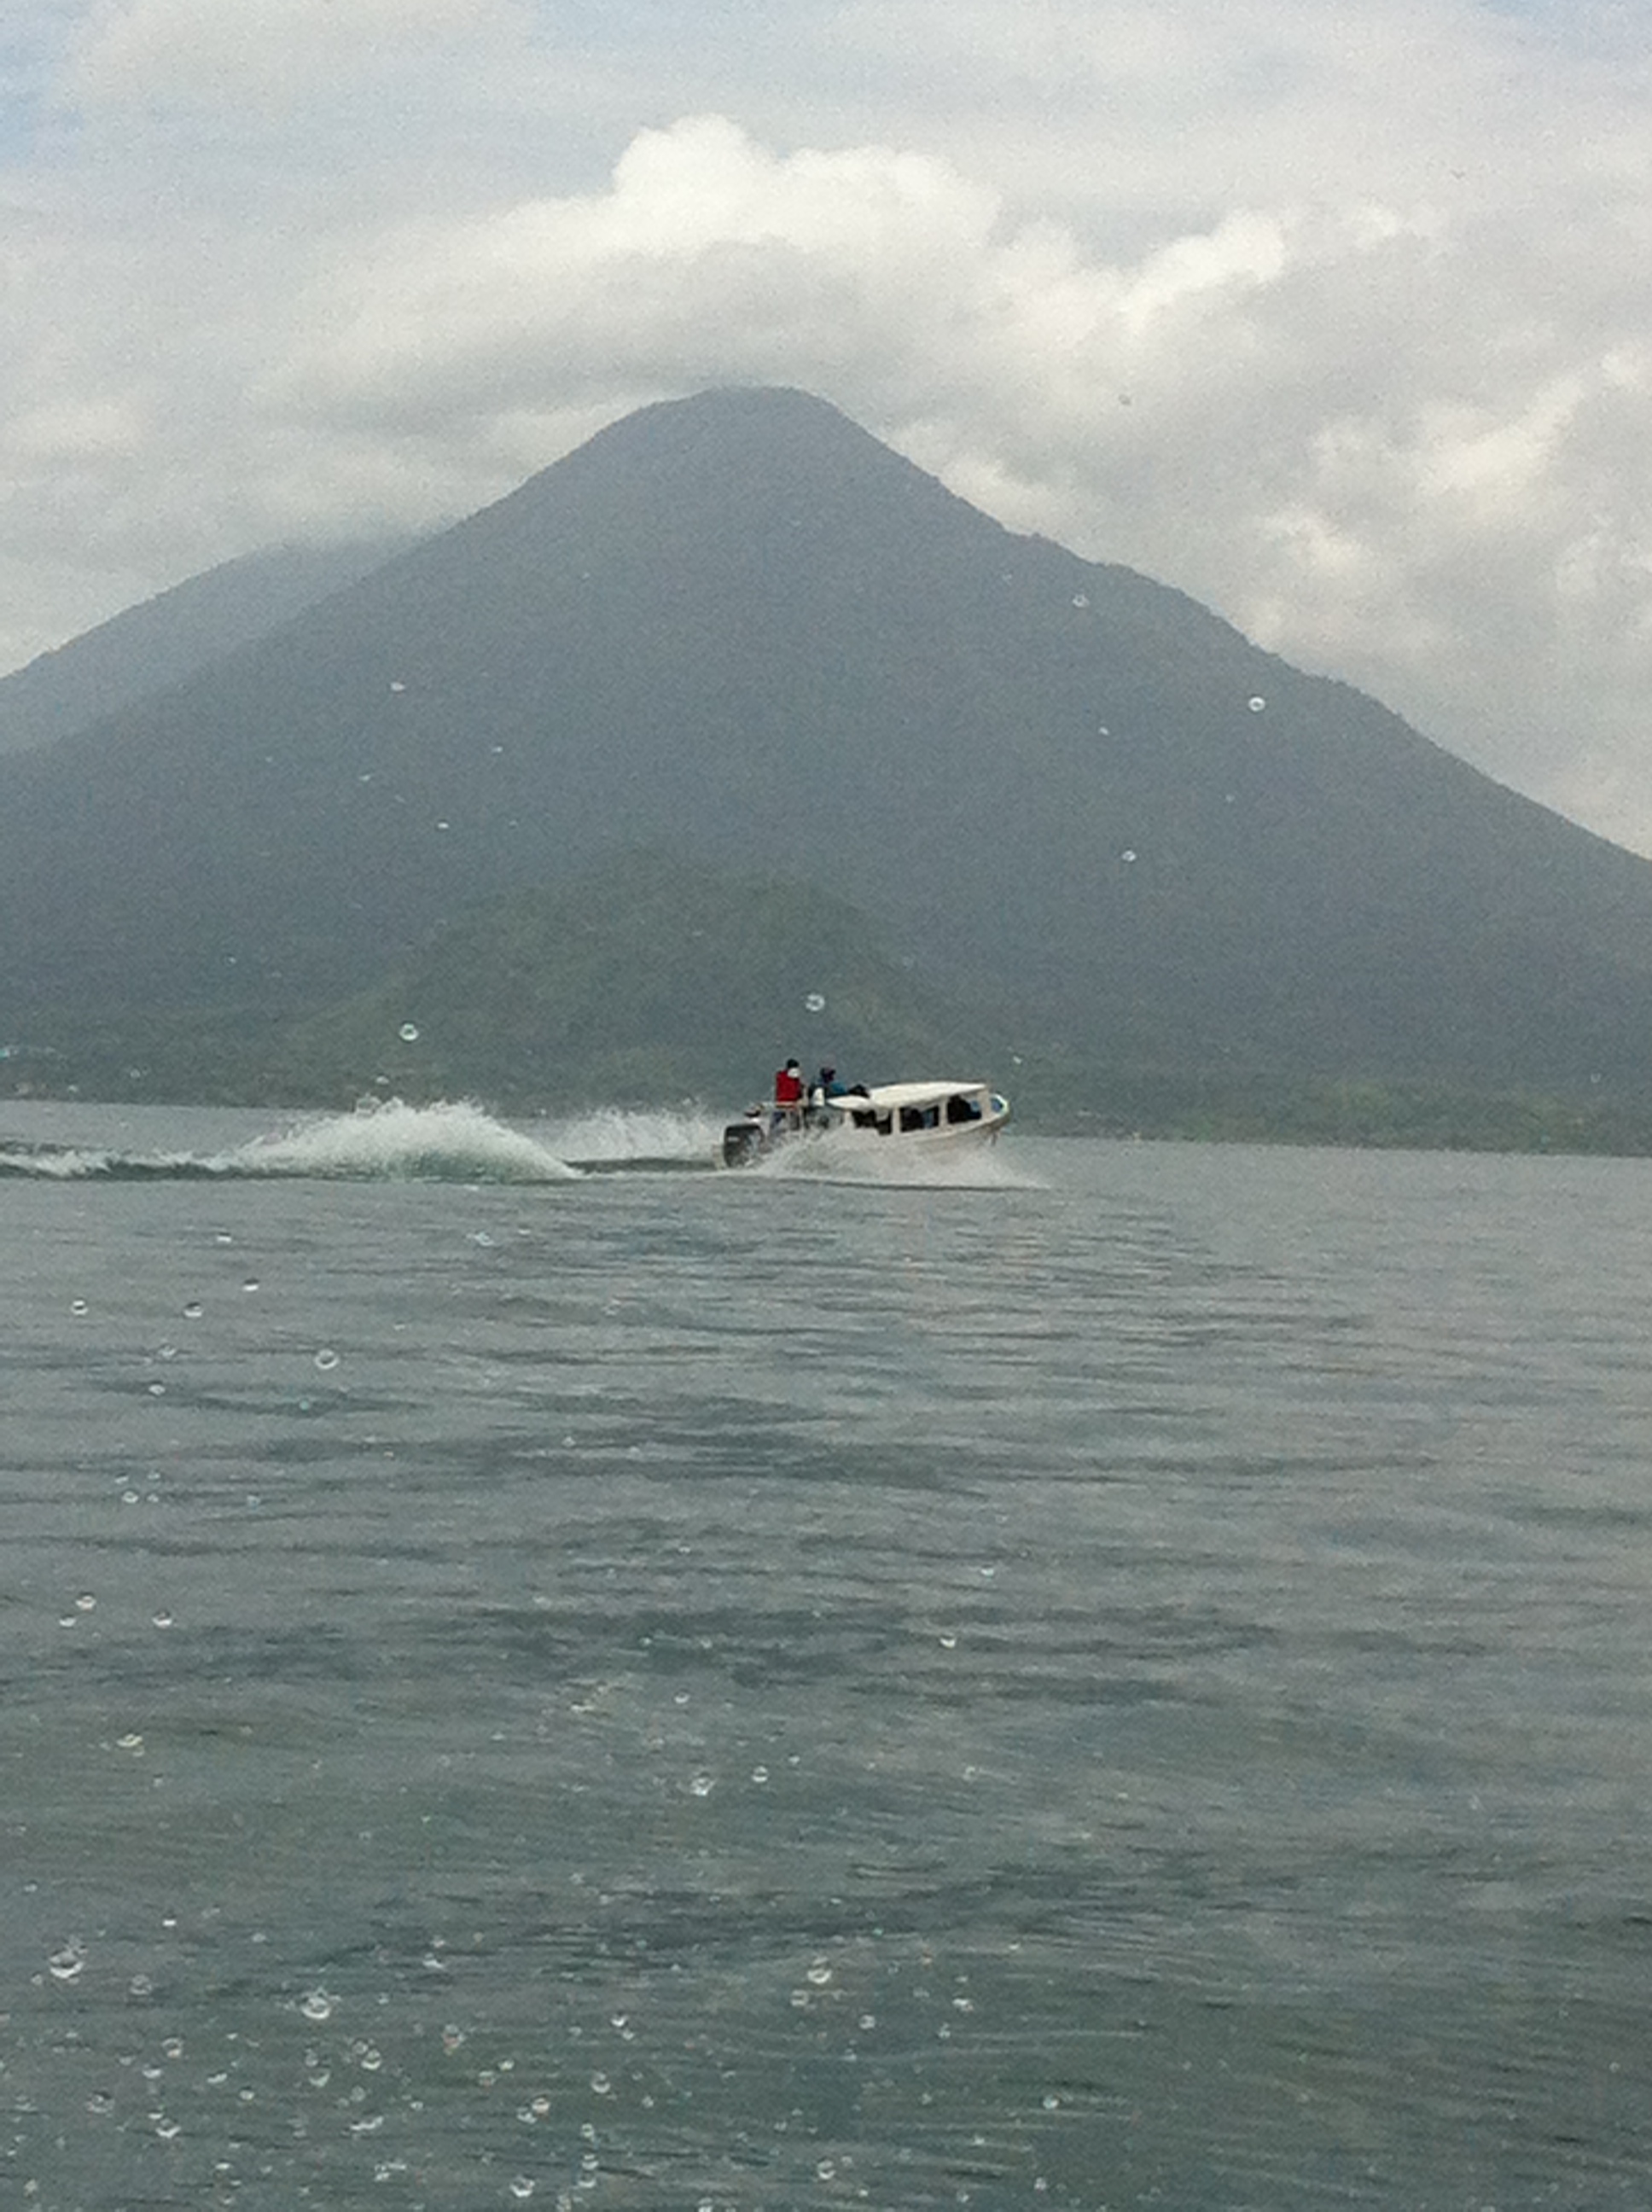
[(910, 1109)]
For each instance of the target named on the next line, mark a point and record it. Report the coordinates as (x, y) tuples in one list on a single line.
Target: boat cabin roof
[(888, 1097)]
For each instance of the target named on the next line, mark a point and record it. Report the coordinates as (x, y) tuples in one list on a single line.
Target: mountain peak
[(741, 448), (778, 416)]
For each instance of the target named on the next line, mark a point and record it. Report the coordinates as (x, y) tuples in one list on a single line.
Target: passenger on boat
[(788, 1096), (824, 1087)]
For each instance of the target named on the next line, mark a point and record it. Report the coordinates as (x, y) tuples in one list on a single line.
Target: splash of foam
[(452, 1142), (613, 1135), (55, 1164)]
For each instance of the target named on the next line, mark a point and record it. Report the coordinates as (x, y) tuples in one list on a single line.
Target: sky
[(1337, 318)]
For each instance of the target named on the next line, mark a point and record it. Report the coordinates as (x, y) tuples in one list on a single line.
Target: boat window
[(921, 1117), (960, 1107)]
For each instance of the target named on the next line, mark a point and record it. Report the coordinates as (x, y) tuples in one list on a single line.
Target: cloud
[(1336, 322), (232, 53), (709, 257)]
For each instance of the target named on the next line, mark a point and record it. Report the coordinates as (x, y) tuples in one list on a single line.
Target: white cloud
[(75, 434), (709, 257)]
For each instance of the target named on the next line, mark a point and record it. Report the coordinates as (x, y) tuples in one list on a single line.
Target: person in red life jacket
[(788, 1096)]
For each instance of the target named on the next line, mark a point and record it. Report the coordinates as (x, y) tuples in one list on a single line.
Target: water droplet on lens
[(815, 1002), (326, 1359), (317, 2005), (703, 1784), (1257, 705), (521, 2189), (69, 1964), (163, 1620), (251, 1284), (86, 1602), (820, 1973), (601, 2084), (78, 1306), (409, 1032), (192, 1311)]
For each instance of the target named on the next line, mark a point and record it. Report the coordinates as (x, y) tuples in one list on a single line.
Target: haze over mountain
[(740, 629)]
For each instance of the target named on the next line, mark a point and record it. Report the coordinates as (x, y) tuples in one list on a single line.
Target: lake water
[(1125, 1682)]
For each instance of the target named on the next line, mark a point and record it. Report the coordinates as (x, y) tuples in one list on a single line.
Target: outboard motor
[(742, 1143)]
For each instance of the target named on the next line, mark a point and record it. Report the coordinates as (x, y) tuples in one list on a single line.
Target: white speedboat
[(919, 1117)]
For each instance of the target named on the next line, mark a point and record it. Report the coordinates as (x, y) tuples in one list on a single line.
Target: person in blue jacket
[(825, 1086)]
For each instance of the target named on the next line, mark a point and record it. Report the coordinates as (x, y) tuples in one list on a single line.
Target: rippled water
[(1124, 1683)]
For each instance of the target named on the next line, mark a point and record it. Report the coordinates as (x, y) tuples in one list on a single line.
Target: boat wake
[(387, 1142), (611, 1139), (390, 1141)]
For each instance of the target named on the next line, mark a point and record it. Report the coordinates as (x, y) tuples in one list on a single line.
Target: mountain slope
[(149, 648), (645, 979), (738, 627)]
